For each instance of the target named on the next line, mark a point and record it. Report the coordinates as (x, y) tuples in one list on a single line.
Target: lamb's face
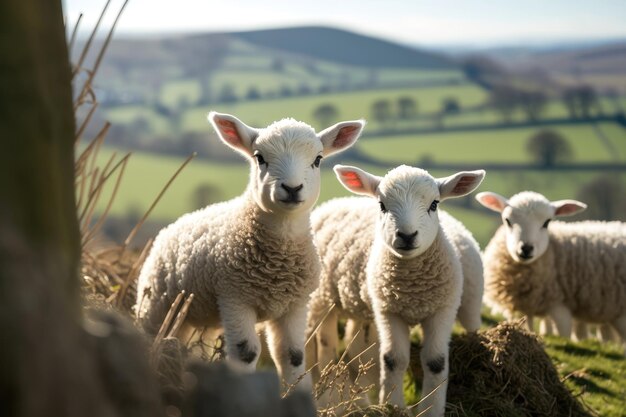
[(285, 171), (526, 217), (285, 158), (408, 221)]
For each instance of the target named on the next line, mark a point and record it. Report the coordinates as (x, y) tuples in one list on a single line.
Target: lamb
[(250, 259), (388, 260), (562, 271)]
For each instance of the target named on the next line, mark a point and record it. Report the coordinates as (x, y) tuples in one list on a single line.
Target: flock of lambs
[(385, 261)]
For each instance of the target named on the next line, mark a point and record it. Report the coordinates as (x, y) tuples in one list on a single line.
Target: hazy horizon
[(476, 24)]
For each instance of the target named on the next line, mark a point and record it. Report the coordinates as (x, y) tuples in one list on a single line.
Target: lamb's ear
[(460, 184), (341, 136), (356, 180), (492, 201), (234, 132), (567, 207)]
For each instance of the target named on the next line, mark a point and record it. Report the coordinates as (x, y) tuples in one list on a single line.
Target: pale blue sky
[(426, 22)]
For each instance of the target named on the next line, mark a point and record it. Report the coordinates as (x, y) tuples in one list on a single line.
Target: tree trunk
[(49, 365)]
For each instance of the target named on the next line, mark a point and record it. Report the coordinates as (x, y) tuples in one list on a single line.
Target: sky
[(416, 22)]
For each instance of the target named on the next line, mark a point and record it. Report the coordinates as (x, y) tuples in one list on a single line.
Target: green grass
[(124, 115), (184, 89), (147, 173), (595, 370), (501, 146), (350, 105)]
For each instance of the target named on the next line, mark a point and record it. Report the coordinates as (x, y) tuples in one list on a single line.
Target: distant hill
[(600, 65), (188, 70), (345, 47)]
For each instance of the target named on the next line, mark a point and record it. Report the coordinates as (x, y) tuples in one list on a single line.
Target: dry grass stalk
[(336, 382), (109, 272)]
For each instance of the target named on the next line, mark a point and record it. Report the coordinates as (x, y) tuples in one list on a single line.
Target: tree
[(504, 100), (326, 114), (533, 103), (548, 148), (50, 363), (605, 197), (278, 65), (407, 108), (253, 93), (381, 111), (450, 105), (227, 94), (579, 100), (285, 91)]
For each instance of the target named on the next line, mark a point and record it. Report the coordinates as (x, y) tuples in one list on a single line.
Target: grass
[(351, 105), (595, 370), (147, 172), (501, 146), (592, 370)]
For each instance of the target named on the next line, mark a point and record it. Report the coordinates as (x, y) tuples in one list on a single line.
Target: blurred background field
[(442, 108)]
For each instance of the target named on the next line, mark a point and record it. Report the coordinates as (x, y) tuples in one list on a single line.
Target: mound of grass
[(504, 371)]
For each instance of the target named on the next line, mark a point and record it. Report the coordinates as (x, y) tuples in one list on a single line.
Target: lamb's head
[(526, 217), (408, 220), (285, 158)]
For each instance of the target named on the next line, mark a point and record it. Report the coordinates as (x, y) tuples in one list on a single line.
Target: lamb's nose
[(527, 250), (407, 238), (292, 191)]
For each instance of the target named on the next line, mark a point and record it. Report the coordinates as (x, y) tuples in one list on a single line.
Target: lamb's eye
[(317, 161), (382, 207), (508, 222), (545, 225), (260, 159), (433, 205)]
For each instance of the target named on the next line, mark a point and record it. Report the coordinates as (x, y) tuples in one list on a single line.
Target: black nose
[(527, 250), (407, 238), (292, 192)]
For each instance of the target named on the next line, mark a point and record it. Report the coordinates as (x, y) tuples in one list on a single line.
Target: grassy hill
[(343, 47)]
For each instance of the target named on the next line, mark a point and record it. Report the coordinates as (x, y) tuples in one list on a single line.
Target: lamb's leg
[(365, 344), (530, 323), (327, 340), (580, 331), (606, 333), (562, 319), (434, 357), (394, 357), (242, 342), (620, 327), (285, 338), (469, 313), (546, 326)]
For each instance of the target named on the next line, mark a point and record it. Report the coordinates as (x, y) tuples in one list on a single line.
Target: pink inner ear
[(464, 184), (352, 180), (344, 137), (229, 131), (491, 201), (566, 209)]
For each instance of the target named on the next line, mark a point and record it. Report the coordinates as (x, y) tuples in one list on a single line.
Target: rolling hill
[(344, 47)]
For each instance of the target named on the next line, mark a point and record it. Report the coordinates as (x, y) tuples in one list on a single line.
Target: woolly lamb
[(387, 259), (564, 271), (250, 259)]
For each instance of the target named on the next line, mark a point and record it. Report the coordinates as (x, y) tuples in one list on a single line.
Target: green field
[(352, 105), (501, 146), (146, 174)]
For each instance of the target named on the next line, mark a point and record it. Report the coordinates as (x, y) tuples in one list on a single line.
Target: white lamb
[(250, 259), (387, 259), (546, 268)]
